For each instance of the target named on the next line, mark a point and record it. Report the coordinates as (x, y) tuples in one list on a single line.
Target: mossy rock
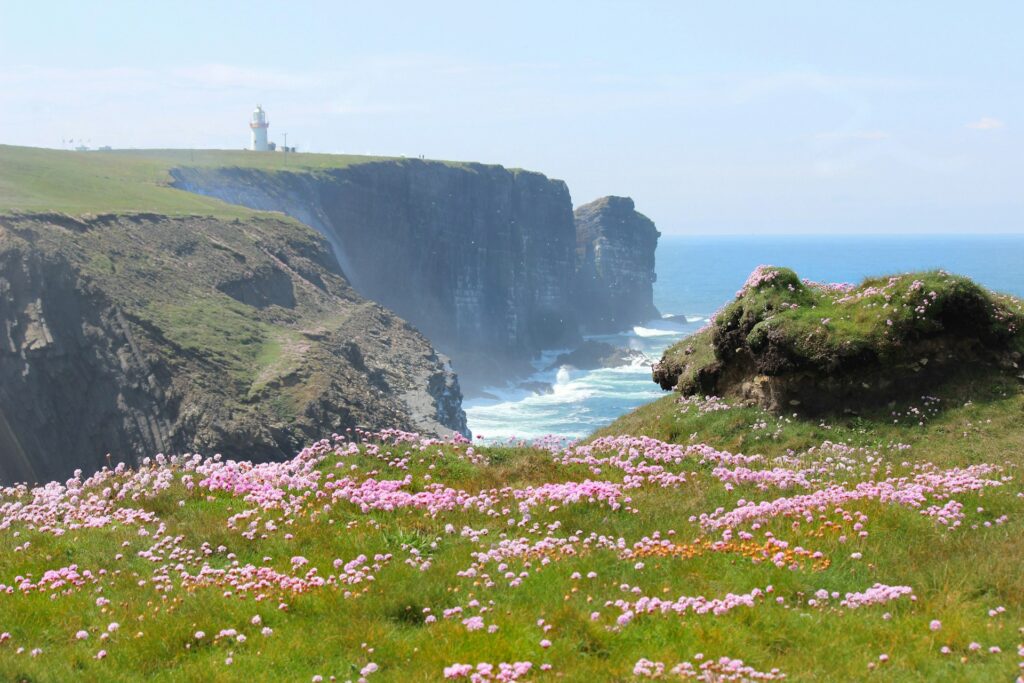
[(789, 344)]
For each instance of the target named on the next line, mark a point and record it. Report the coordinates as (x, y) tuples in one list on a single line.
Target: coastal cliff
[(489, 263), (139, 334)]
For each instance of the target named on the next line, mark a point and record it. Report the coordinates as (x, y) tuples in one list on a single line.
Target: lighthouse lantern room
[(259, 125)]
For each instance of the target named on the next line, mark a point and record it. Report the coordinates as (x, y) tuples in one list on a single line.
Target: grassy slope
[(958, 576)]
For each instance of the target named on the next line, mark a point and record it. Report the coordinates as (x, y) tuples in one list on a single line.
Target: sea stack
[(615, 247)]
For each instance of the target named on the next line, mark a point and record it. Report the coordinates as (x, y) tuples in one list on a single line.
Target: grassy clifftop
[(34, 179)]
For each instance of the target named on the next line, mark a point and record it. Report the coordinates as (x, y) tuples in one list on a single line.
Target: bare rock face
[(615, 248), (140, 334)]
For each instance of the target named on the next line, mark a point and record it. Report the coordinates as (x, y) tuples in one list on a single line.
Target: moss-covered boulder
[(793, 345)]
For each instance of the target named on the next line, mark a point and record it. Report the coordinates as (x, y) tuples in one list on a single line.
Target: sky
[(716, 117)]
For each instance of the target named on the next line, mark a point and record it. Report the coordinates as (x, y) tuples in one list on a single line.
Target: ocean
[(696, 276)]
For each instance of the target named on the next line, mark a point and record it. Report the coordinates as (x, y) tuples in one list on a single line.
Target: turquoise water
[(696, 276)]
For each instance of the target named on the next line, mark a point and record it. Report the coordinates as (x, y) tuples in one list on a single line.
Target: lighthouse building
[(258, 126)]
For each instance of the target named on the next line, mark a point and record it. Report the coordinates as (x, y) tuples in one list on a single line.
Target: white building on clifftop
[(259, 125)]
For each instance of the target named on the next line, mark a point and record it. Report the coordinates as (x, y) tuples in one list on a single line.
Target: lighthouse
[(259, 126)]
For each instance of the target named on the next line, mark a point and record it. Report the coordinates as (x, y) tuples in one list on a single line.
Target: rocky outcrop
[(788, 345), (592, 354), (485, 261), (615, 247), (134, 335)]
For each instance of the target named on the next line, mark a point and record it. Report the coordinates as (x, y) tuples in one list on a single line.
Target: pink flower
[(545, 643), (935, 625), (473, 623), (81, 635), (101, 654)]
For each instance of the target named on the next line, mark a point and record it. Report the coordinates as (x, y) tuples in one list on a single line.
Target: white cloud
[(986, 123)]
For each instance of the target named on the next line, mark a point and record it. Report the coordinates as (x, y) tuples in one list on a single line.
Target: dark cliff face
[(482, 259), (615, 248), (134, 335)]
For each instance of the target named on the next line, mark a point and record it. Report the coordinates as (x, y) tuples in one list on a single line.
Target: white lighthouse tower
[(259, 125)]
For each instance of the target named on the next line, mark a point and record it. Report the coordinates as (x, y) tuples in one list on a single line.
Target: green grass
[(34, 179), (957, 576), (46, 180)]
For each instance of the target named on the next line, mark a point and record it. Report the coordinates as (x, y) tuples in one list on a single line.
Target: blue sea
[(696, 276)]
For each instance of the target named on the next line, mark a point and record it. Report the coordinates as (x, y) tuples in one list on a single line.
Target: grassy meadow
[(396, 558)]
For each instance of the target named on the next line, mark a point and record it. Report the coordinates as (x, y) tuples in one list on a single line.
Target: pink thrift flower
[(81, 635), (935, 625)]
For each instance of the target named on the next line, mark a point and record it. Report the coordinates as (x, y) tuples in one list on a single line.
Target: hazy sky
[(739, 117)]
